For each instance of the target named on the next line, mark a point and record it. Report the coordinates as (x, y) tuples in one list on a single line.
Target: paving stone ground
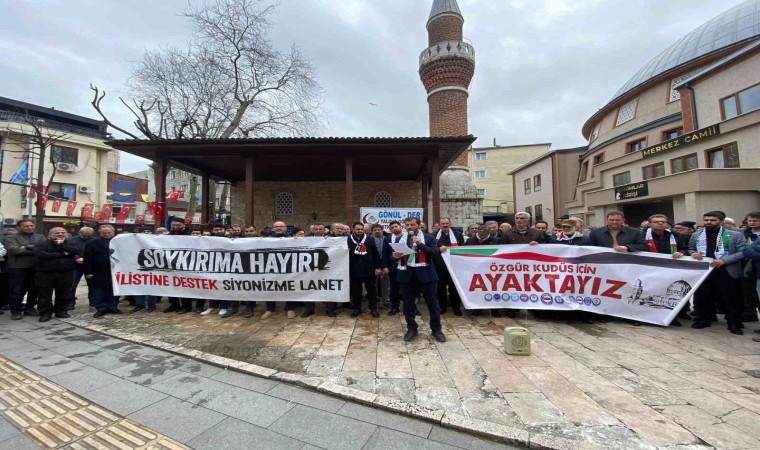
[(584, 386), (66, 387)]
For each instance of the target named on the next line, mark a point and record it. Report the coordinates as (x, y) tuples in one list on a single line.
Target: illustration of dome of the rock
[(680, 288)]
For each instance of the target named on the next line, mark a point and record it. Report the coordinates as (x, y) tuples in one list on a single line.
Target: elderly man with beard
[(97, 269), (364, 266), (726, 248), (55, 273), (417, 274)]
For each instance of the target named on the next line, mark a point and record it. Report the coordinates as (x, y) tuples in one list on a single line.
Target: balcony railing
[(447, 49)]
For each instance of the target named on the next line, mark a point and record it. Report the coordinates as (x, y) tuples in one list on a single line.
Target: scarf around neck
[(649, 238), (452, 238), (360, 248), (416, 259), (721, 246)]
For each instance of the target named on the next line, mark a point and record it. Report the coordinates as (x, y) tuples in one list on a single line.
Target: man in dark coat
[(569, 234), (482, 236), (447, 291), (84, 235), (55, 272), (416, 273), (20, 266), (661, 240), (616, 236), (397, 235), (97, 269), (364, 266), (521, 233)]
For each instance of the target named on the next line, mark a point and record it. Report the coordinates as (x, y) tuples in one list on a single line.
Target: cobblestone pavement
[(604, 385), (65, 387)]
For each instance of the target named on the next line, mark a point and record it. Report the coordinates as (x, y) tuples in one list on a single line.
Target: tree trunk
[(192, 200), (39, 213)]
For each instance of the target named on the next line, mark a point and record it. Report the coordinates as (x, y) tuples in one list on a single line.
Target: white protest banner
[(250, 269), (648, 287), (384, 216)]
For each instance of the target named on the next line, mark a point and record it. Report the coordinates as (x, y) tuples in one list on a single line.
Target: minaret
[(446, 69)]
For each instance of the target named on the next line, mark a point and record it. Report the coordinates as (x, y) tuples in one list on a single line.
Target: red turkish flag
[(159, 213), (151, 208), (172, 197), (126, 210), (105, 211), (139, 219), (31, 191), (57, 204), (87, 210), (42, 201), (70, 208), (98, 216)]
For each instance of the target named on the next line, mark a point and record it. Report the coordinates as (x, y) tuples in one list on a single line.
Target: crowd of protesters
[(39, 275)]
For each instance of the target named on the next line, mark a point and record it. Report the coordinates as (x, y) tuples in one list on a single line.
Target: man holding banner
[(661, 240), (616, 236), (447, 291), (417, 274), (726, 248), (364, 266)]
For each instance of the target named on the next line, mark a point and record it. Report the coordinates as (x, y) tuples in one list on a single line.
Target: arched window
[(383, 200), (283, 204)]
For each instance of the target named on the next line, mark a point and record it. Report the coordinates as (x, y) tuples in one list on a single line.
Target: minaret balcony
[(447, 49)]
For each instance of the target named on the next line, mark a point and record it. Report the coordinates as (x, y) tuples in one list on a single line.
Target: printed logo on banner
[(589, 278), (488, 297), (496, 297)]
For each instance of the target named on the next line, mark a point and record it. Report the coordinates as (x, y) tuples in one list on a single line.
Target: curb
[(492, 431)]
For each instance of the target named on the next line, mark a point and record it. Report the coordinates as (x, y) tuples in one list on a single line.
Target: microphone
[(410, 233)]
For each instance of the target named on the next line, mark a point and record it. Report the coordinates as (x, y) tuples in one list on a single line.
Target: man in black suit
[(447, 292), (97, 269), (397, 235), (416, 273), (364, 266)]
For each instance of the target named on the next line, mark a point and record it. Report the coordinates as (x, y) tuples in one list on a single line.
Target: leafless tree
[(230, 81), (40, 140)]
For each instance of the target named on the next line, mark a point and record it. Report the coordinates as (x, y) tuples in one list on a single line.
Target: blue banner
[(123, 191), (21, 176)]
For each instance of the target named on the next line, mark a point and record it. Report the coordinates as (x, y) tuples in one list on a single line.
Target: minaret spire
[(448, 7)]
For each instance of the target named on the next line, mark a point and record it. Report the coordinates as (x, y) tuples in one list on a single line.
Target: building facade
[(81, 161), (542, 187), (490, 171), (682, 136)]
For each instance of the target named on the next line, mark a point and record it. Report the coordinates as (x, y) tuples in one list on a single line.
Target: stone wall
[(459, 198), (325, 199)]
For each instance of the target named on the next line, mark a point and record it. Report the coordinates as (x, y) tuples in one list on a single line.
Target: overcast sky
[(543, 66)]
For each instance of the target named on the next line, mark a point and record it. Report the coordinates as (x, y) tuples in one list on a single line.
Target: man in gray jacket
[(725, 247), (21, 262)]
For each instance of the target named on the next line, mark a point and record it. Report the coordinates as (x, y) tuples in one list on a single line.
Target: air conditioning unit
[(9, 222), (516, 341), (65, 167), (86, 189)]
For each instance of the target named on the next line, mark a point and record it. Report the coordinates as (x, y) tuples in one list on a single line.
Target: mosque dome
[(738, 24), (679, 288)]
